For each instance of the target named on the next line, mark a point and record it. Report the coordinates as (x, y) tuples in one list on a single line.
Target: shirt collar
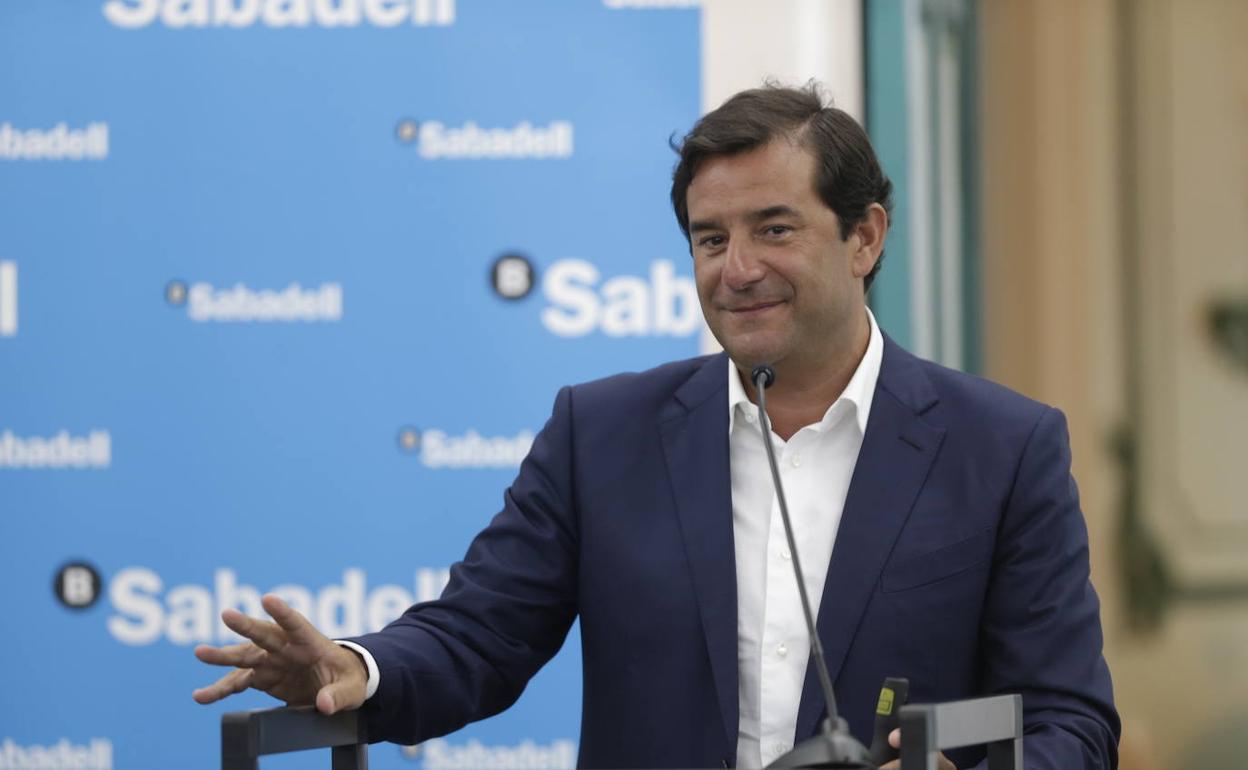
[(859, 392)]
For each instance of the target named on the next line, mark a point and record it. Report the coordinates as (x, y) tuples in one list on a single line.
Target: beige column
[(1075, 93), (1050, 226)]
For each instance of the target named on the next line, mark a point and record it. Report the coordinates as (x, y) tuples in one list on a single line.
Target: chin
[(752, 348), (753, 355)]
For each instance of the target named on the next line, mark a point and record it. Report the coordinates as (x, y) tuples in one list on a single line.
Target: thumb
[(894, 738), (338, 696)]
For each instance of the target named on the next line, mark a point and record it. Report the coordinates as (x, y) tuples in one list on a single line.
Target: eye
[(777, 231), (711, 241)]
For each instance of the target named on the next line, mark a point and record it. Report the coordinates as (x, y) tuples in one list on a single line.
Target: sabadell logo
[(61, 450), (279, 14), (580, 301), (470, 449), (435, 140), (206, 303), (8, 299), (59, 142), (147, 610)]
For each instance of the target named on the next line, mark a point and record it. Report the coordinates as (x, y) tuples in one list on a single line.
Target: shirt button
[(782, 650), (778, 748), (785, 553), (749, 417), (797, 461)]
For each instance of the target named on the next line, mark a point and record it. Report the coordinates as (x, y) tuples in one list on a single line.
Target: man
[(646, 508)]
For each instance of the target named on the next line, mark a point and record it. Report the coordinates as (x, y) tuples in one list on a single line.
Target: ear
[(869, 236)]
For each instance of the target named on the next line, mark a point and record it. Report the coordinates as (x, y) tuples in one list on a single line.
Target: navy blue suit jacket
[(961, 562)]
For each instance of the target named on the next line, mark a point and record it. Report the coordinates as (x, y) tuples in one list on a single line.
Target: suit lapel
[(897, 452), (694, 426)]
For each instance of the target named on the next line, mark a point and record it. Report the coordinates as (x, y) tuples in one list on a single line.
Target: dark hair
[(848, 177)]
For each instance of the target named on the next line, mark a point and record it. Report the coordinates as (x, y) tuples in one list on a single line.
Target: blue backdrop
[(286, 288)]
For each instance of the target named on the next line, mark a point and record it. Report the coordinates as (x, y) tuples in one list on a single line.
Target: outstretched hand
[(288, 659)]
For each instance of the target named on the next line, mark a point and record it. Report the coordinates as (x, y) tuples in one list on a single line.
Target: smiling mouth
[(753, 309)]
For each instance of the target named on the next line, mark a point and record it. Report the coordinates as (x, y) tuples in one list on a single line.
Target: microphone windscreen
[(765, 371)]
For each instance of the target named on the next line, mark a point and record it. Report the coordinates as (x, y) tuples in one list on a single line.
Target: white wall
[(747, 41)]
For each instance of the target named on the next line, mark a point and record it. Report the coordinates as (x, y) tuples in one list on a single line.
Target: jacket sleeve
[(1041, 632), (506, 610)]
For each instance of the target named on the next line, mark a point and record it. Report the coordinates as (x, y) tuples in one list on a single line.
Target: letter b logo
[(77, 585), (512, 276)]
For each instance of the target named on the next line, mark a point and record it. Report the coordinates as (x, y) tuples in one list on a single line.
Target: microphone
[(835, 747), (766, 372)]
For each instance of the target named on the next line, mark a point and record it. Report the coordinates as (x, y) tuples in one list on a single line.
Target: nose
[(741, 266)]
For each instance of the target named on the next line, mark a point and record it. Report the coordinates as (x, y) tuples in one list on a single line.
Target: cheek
[(706, 279)]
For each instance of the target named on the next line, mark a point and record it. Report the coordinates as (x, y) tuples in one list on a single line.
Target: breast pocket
[(939, 564)]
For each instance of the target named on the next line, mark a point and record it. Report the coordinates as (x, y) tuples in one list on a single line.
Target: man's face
[(777, 283)]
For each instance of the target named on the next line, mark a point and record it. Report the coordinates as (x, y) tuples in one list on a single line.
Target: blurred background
[(287, 286), (1072, 221)]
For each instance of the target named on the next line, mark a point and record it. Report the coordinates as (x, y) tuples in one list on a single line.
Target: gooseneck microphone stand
[(834, 747)]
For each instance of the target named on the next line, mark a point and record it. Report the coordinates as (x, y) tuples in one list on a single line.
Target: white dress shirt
[(816, 464)]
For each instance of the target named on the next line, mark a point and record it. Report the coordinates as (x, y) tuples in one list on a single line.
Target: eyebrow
[(760, 215)]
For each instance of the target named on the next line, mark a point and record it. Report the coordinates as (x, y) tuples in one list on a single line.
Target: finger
[(263, 633), (239, 655), (894, 740), (266, 679), (339, 696), (296, 627), (894, 765), (234, 682)]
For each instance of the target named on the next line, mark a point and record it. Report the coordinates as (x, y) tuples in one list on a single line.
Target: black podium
[(248, 735), (995, 722)]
